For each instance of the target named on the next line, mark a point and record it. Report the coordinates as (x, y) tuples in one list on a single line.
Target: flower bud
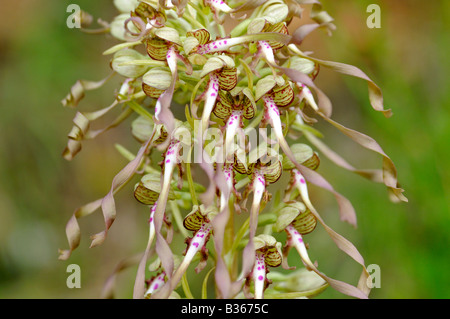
[(297, 215), (304, 155), (128, 70), (126, 6)]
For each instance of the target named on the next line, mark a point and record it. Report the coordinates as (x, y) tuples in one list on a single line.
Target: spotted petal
[(304, 155), (156, 81), (287, 215), (271, 249), (144, 11), (194, 220), (278, 28), (249, 108), (240, 163), (266, 84)]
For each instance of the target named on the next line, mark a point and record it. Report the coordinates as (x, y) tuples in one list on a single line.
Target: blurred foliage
[(41, 58)]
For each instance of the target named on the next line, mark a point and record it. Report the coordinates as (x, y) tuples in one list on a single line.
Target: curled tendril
[(143, 28)]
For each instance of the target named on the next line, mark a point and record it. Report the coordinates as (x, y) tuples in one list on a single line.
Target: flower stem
[(192, 20)]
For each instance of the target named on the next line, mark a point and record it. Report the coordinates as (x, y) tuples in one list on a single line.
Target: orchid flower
[(222, 76), (233, 109), (300, 219), (276, 93), (171, 160), (146, 15), (161, 42), (297, 220), (198, 221), (159, 280), (305, 93), (266, 49), (267, 253), (162, 47), (266, 171), (225, 44), (263, 173)]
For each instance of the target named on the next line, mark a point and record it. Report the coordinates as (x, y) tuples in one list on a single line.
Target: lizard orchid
[(193, 75), (267, 254), (222, 76), (198, 221)]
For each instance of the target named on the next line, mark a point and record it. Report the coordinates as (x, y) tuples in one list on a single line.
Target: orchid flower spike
[(196, 86)]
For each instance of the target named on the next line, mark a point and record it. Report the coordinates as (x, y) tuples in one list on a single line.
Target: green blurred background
[(40, 58)]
